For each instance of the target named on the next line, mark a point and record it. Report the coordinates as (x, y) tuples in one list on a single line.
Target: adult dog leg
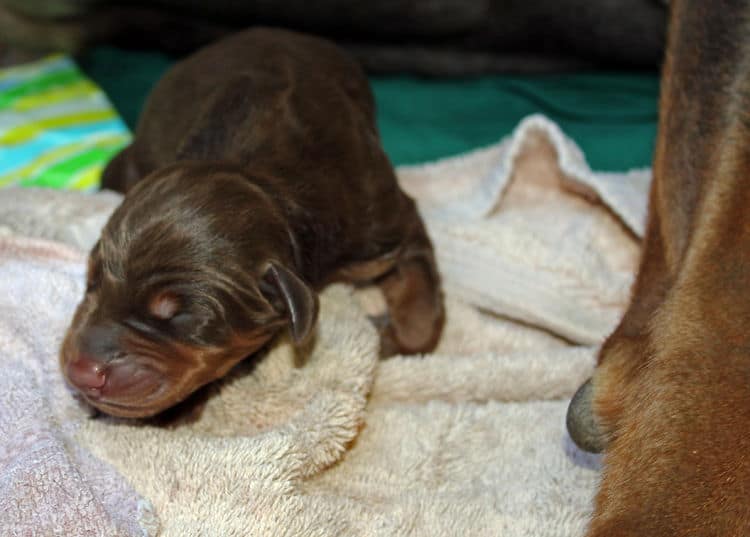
[(671, 391)]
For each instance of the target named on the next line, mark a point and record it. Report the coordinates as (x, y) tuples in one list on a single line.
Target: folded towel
[(537, 254)]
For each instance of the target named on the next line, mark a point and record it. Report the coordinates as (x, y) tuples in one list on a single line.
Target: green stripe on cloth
[(37, 85), (26, 132), (81, 88), (67, 168), (57, 128), (87, 178), (28, 174)]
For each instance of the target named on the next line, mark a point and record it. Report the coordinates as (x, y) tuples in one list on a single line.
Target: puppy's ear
[(291, 297)]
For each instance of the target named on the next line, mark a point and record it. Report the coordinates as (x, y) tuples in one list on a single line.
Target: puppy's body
[(255, 177), (297, 115), (671, 394)]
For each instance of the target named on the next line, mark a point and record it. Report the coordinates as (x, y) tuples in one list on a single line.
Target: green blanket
[(611, 116), (57, 128)]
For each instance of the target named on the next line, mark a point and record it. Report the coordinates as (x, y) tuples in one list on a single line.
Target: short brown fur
[(672, 388), (255, 178)]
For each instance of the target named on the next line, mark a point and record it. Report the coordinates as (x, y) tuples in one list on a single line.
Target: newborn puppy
[(255, 177)]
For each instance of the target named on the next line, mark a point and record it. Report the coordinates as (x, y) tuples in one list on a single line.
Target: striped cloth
[(57, 128)]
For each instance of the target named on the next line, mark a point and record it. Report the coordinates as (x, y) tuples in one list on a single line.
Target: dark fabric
[(435, 37)]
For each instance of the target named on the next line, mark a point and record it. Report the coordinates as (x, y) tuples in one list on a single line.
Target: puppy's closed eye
[(164, 306)]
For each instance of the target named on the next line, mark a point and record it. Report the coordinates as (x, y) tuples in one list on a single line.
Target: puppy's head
[(192, 273)]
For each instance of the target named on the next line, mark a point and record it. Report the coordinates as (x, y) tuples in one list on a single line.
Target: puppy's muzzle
[(119, 379), (97, 367)]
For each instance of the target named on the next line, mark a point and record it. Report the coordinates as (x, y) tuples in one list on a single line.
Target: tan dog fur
[(671, 392)]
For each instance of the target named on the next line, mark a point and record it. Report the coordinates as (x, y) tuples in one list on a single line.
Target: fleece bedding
[(537, 253)]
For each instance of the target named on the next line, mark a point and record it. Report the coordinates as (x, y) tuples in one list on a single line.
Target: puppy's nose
[(87, 374)]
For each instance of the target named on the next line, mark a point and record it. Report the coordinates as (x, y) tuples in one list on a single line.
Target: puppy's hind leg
[(121, 173), (412, 293)]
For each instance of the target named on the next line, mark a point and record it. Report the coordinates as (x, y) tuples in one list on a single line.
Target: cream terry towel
[(50, 484), (537, 255)]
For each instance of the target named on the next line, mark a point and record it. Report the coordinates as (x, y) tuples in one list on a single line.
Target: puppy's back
[(258, 96)]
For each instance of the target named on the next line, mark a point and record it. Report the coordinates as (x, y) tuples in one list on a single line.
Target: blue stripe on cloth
[(52, 139)]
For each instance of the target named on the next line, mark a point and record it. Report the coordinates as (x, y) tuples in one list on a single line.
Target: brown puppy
[(256, 176), (671, 394)]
